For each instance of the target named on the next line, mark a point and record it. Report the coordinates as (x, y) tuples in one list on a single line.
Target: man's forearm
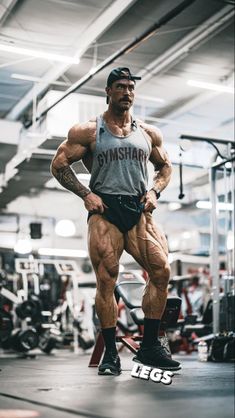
[(162, 177), (67, 178)]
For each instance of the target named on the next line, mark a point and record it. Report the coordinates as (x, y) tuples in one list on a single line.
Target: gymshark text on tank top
[(120, 163)]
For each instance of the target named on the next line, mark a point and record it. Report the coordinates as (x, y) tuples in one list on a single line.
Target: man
[(115, 149)]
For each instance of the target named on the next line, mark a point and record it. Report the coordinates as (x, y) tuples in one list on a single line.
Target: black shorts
[(123, 211)]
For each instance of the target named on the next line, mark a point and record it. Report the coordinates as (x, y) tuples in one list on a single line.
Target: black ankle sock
[(109, 336), (151, 331)]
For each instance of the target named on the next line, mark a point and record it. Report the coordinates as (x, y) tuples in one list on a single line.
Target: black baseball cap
[(119, 73)]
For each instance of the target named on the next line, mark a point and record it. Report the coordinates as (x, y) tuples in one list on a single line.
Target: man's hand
[(94, 203), (150, 201)]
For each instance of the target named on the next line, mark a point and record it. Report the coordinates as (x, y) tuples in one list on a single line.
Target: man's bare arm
[(162, 166), (161, 162), (68, 179), (71, 150), (161, 176)]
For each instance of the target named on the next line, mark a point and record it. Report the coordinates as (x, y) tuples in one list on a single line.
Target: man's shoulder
[(152, 131), (83, 133)]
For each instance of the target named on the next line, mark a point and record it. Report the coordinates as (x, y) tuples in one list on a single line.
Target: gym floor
[(62, 386)]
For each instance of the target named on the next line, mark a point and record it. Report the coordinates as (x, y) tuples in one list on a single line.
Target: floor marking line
[(58, 408)]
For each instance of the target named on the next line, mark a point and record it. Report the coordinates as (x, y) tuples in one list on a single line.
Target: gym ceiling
[(37, 41)]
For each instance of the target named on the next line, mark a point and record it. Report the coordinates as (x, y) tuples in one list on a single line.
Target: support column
[(214, 252)]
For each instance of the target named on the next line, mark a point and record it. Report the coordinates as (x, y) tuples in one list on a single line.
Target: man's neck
[(119, 118)]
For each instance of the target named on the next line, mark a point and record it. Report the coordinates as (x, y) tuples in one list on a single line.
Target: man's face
[(121, 94)]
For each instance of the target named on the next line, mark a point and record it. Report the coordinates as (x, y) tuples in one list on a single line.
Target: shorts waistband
[(124, 197)]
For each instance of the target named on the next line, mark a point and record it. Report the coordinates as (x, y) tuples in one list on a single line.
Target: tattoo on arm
[(67, 178)]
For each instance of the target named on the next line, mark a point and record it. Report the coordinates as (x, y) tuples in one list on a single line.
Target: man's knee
[(108, 267), (167, 271), (107, 273), (160, 276)]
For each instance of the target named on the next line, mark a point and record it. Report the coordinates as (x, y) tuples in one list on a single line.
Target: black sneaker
[(110, 364), (156, 356)]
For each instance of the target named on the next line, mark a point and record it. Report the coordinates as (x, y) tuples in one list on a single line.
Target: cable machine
[(225, 170)]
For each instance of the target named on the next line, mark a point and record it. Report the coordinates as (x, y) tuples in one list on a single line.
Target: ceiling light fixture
[(222, 88), (62, 252), (65, 228), (174, 206), (26, 77), (23, 246), (206, 204), (38, 54)]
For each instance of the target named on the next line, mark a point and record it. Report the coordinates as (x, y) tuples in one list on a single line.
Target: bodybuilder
[(115, 148)]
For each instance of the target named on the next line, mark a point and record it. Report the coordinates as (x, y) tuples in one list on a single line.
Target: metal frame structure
[(214, 260), (214, 247), (25, 266)]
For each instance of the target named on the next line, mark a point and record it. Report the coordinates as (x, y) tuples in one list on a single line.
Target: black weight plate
[(26, 309), (24, 340)]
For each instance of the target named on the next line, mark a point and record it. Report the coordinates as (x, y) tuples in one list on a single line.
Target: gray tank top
[(120, 163)]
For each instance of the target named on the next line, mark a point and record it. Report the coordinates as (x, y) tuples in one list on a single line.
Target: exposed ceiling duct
[(122, 51), (102, 23)]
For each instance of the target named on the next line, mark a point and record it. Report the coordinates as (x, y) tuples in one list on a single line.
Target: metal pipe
[(214, 256), (181, 194), (232, 188), (221, 164), (227, 216), (124, 50), (202, 138)]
